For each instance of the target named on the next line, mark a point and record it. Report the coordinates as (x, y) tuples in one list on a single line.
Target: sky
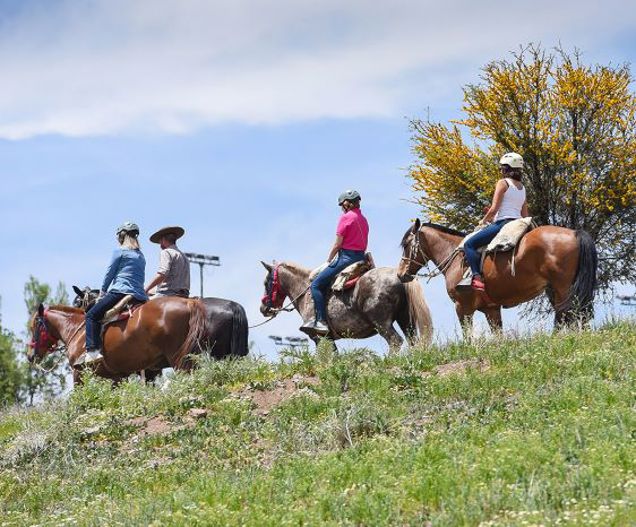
[(242, 121)]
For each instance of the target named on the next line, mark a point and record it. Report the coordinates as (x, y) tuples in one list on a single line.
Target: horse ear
[(78, 291), (416, 226), (266, 266), (41, 310)]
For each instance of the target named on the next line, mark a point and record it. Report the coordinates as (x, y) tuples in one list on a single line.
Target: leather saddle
[(122, 310)]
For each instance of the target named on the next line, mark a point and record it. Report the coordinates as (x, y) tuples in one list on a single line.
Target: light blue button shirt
[(126, 273)]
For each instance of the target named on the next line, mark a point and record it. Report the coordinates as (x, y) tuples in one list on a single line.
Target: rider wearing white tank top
[(512, 202), (507, 204)]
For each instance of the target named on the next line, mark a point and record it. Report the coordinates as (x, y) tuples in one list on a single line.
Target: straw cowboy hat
[(177, 231)]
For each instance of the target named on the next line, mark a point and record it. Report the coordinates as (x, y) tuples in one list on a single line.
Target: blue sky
[(241, 121)]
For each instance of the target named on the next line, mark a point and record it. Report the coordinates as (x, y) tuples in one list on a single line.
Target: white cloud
[(113, 66)]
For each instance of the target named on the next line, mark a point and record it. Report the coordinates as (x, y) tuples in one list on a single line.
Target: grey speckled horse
[(376, 301)]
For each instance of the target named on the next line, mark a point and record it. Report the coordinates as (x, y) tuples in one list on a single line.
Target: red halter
[(42, 338), (274, 294)]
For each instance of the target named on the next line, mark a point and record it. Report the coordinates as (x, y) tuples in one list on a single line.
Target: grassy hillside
[(538, 431)]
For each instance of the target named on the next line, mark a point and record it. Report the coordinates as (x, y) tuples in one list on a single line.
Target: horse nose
[(264, 310)]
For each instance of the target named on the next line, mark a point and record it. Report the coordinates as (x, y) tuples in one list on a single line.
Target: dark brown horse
[(557, 260), (370, 307), (159, 334)]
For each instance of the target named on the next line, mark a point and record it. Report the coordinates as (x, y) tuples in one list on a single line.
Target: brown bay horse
[(376, 301), (560, 261), (159, 334)]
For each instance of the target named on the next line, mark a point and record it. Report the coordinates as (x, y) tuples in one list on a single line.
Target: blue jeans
[(325, 278), (94, 318), (483, 237)]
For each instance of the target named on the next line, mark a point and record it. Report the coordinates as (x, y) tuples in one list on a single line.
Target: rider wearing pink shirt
[(352, 236)]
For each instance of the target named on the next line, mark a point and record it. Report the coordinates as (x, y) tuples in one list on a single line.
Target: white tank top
[(513, 200)]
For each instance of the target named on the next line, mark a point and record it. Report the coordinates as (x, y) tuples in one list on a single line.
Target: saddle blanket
[(346, 278), (507, 238)]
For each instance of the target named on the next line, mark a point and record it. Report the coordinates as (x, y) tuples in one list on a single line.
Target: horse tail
[(581, 294), (196, 332), (419, 314), (238, 342)]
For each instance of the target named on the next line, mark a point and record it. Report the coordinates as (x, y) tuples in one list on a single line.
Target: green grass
[(535, 431)]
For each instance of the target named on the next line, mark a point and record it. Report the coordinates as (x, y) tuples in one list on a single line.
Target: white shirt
[(512, 202)]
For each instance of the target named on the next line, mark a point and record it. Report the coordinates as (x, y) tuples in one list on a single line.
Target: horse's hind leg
[(564, 314), (410, 332), (493, 316), (391, 336)]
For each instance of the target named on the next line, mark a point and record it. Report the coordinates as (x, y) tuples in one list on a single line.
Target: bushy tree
[(575, 126), (12, 375)]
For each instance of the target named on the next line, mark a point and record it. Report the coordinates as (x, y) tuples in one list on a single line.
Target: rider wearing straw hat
[(173, 275), (352, 236), (124, 276)]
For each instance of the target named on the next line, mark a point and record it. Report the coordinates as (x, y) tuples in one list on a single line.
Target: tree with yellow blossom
[(575, 127)]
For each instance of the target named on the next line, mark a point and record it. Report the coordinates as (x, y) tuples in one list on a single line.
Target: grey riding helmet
[(349, 195), (127, 226)]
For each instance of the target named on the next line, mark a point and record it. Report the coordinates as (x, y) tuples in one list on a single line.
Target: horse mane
[(441, 228), (296, 267), (67, 309)]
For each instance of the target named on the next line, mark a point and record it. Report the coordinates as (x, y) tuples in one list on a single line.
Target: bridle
[(42, 338), (274, 295), (414, 254)]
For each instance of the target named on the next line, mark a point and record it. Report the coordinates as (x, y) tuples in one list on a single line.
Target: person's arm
[(163, 271), (497, 198), (524, 210), (111, 272), (336, 247), (155, 281)]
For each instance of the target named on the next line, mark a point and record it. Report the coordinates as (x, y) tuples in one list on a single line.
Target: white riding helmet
[(512, 159)]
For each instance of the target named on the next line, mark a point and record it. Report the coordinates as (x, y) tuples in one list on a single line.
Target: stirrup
[(311, 324), (321, 328), (93, 356), (464, 283)]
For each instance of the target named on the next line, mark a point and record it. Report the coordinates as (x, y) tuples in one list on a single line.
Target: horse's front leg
[(465, 320)]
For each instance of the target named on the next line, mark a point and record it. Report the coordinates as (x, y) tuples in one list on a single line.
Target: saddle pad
[(345, 278), (509, 235), (349, 276), (507, 238)]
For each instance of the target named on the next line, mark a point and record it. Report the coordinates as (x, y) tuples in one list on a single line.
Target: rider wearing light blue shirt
[(125, 276), (126, 273)]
